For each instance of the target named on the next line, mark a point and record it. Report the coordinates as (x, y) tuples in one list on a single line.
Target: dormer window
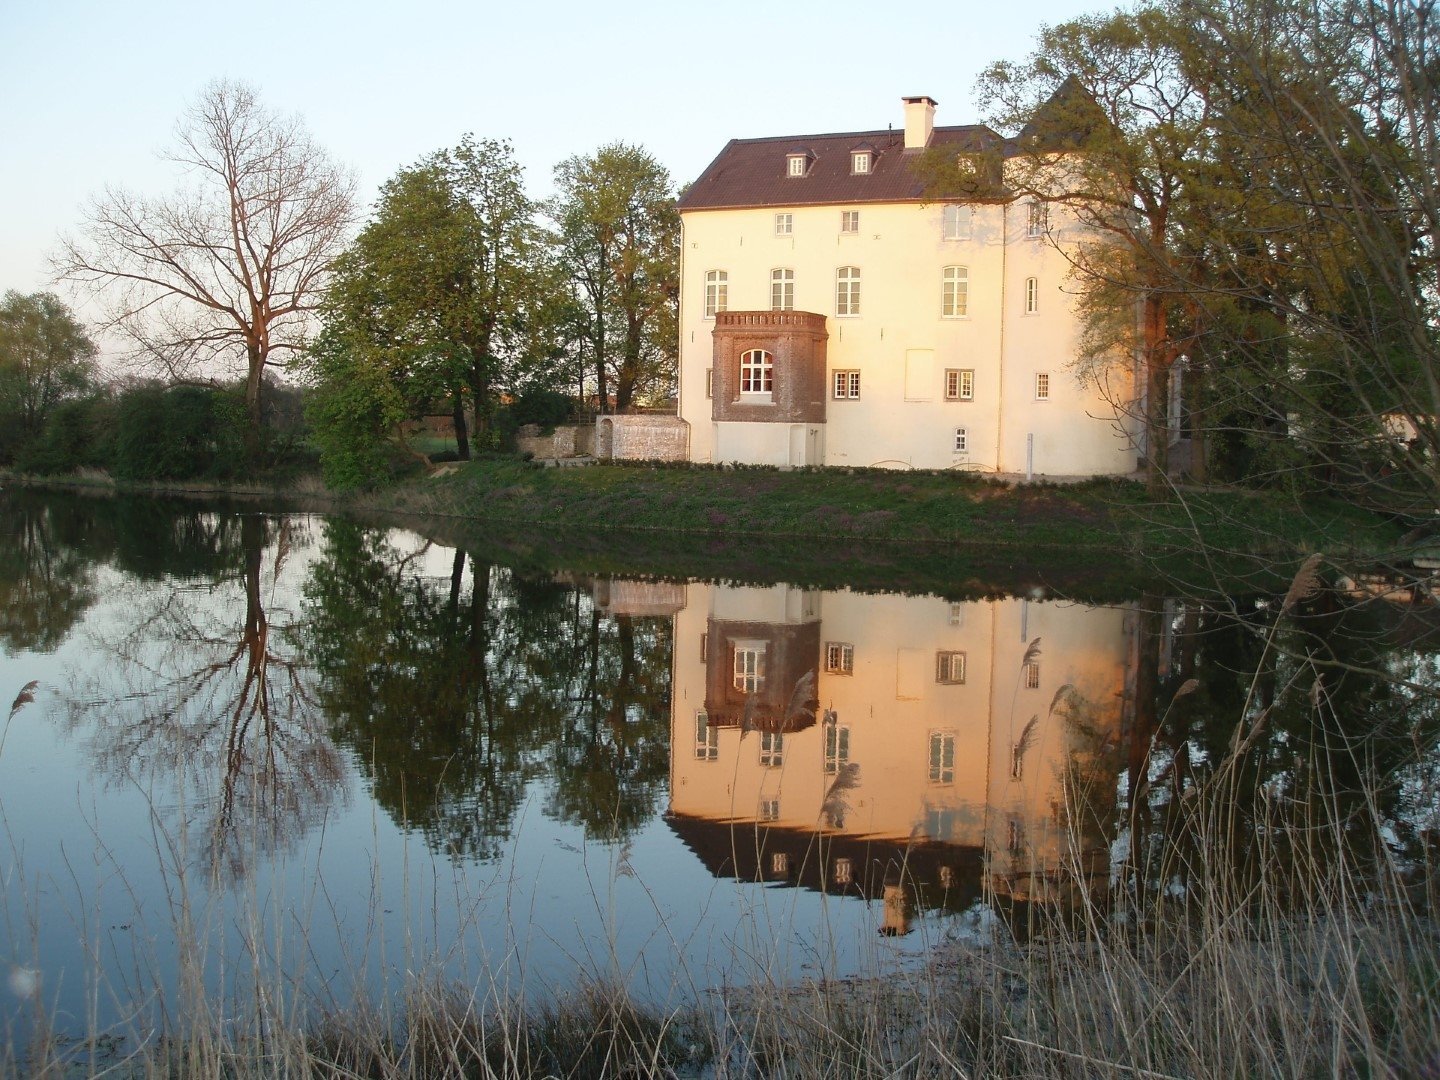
[(860, 162), (796, 164)]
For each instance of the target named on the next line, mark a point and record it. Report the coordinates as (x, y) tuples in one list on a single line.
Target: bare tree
[(223, 273)]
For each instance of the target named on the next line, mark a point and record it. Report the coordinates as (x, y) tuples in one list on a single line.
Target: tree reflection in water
[(216, 700), (458, 691)]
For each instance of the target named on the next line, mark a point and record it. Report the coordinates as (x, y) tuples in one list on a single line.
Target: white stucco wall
[(902, 345)]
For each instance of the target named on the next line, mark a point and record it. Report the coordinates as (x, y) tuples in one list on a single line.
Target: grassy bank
[(945, 533)]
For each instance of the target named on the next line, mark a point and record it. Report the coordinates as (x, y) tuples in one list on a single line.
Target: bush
[(546, 408), (78, 435), (178, 433)]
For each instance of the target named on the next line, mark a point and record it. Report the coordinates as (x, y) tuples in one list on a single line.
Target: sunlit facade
[(831, 315)]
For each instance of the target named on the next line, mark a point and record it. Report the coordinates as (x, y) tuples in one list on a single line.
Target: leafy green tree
[(432, 302), (224, 274), (620, 244), (1320, 235), (45, 358), (1112, 130)]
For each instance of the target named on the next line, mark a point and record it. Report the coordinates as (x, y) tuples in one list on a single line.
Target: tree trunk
[(1157, 389), (254, 405), (462, 435)]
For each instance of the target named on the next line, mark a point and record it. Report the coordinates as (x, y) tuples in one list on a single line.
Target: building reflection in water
[(910, 750)]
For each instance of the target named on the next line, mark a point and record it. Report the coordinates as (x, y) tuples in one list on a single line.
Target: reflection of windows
[(749, 667), (959, 384), (704, 647), (844, 872), (769, 809), (1032, 675), (779, 863), (772, 749), (1015, 838), (837, 745), (1017, 761), (947, 877), (717, 291), (707, 738), (955, 223), (757, 371), (957, 614), (955, 292), (942, 757), (782, 290), (941, 823), (839, 658), (847, 290), (846, 385), (950, 667)]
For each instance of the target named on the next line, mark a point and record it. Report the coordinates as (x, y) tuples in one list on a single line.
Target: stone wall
[(566, 441), (641, 438)]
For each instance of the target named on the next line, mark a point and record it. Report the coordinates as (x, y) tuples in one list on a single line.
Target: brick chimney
[(919, 121)]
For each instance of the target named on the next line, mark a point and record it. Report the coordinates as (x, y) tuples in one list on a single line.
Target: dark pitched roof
[(1066, 119), (752, 172)]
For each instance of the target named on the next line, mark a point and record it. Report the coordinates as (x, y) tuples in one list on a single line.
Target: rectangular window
[(942, 757), (1032, 295), (955, 222), (772, 749), (957, 614), (849, 221), (707, 738), (959, 384), (860, 163), (709, 382), (962, 440), (839, 658), (847, 385), (784, 224), (717, 289), (1042, 386), (749, 668), (1036, 219), (950, 667), (847, 290), (1032, 675), (795, 165), (837, 746), (782, 290), (954, 292)]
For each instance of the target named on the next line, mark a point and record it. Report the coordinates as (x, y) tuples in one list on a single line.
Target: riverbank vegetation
[(1305, 949)]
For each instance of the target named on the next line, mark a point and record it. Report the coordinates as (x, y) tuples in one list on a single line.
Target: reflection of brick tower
[(765, 661)]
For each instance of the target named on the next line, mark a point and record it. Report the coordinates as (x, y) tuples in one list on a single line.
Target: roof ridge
[(877, 132)]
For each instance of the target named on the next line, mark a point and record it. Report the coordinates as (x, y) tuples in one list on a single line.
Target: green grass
[(1114, 517)]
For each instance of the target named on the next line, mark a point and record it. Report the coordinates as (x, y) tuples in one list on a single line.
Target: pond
[(277, 762)]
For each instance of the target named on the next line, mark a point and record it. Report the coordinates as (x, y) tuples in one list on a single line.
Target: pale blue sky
[(90, 91)]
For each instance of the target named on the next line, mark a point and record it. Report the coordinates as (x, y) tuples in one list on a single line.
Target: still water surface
[(298, 754)]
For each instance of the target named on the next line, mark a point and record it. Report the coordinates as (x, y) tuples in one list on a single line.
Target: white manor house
[(831, 313)]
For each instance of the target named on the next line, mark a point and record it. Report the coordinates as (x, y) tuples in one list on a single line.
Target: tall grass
[(1301, 948)]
